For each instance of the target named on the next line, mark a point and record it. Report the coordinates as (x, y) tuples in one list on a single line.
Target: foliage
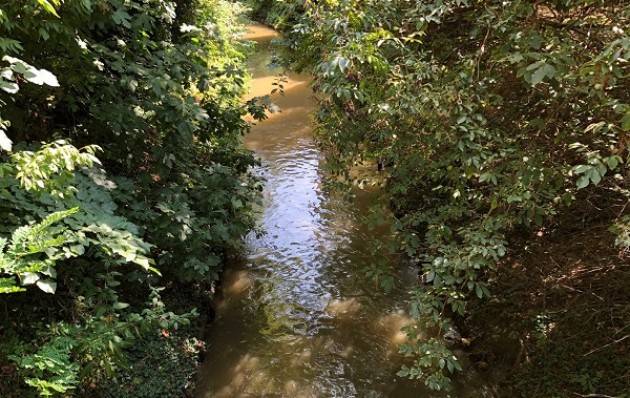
[(488, 117), (26, 243), (176, 357), (8, 81), (98, 342), (51, 368), (622, 230), (121, 169)]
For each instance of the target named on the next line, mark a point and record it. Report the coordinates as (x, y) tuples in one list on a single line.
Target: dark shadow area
[(559, 324)]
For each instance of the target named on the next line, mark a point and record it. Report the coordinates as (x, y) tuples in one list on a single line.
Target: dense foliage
[(488, 117), (121, 171)]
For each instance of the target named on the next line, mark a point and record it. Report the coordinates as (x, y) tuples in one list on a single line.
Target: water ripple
[(298, 317)]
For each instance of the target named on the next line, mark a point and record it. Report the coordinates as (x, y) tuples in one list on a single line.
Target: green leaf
[(583, 181), (595, 176), (5, 143), (581, 169), (7, 285), (47, 285), (121, 17), (29, 278), (30, 73), (41, 77), (612, 162), (48, 7), (542, 72), (120, 305), (9, 87), (538, 76)]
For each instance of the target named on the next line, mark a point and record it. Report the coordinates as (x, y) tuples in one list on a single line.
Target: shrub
[(121, 169)]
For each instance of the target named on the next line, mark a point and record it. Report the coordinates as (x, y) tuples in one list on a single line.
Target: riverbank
[(558, 323)]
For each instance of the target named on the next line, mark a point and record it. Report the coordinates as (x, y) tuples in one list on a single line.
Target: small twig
[(621, 330), (607, 345), (623, 209), (522, 350), (482, 50), (594, 395), (571, 288)]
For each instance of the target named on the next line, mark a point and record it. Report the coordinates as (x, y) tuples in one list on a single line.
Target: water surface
[(298, 317)]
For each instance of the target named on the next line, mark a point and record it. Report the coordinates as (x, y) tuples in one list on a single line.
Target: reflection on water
[(297, 317)]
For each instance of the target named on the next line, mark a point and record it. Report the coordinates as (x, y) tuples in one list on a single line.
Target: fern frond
[(32, 239)]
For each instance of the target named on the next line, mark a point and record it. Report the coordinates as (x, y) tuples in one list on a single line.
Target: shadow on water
[(296, 317)]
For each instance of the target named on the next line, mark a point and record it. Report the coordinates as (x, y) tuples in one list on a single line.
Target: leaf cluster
[(121, 169)]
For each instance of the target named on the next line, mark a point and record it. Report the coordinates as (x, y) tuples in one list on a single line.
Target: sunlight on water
[(297, 317), (236, 283), (340, 307)]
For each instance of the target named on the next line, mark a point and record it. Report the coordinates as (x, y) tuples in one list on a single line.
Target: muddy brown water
[(297, 317)]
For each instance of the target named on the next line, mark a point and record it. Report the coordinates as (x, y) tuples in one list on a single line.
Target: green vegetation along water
[(297, 318), (123, 185)]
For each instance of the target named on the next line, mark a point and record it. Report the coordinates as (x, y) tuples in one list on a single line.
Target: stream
[(297, 317)]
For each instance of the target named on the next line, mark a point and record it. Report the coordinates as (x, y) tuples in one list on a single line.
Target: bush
[(121, 169)]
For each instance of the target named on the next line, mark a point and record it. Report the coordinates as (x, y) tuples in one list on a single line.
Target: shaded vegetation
[(557, 323), (123, 187)]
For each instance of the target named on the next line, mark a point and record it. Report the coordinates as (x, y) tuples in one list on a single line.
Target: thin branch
[(607, 345)]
